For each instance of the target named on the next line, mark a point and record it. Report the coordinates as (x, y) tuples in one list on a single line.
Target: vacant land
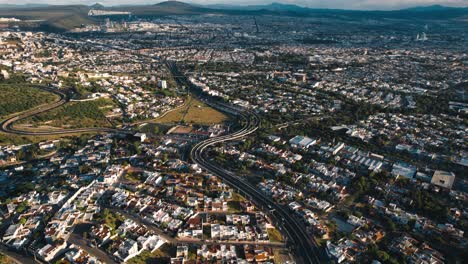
[(282, 256), (274, 235), (195, 112), (161, 255), (5, 259), (74, 115), (18, 98)]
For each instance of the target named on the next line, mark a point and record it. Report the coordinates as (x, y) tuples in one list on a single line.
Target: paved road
[(6, 126), (305, 248), (17, 257), (178, 240), (303, 245), (94, 251)]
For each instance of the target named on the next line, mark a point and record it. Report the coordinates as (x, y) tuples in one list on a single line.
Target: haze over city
[(241, 132), (338, 4)]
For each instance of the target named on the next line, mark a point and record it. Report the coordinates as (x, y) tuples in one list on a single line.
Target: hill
[(61, 18), (165, 8), (55, 18)]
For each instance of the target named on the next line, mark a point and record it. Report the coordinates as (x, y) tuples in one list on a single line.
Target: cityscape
[(187, 133)]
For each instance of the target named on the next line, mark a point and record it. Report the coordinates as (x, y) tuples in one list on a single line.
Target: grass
[(18, 98), (234, 207), (109, 218), (5, 259), (74, 115), (11, 139), (161, 255), (282, 256), (274, 235), (195, 112), (134, 177)]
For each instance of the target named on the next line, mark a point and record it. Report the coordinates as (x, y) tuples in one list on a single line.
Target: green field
[(274, 235), (74, 115), (195, 112), (161, 255), (18, 98), (5, 259)]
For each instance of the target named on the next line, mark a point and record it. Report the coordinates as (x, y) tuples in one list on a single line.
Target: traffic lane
[(296, 232), (77, 239), (300, 237)]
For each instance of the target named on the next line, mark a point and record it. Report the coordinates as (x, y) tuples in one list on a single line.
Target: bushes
[(17, 98), (76, 114)]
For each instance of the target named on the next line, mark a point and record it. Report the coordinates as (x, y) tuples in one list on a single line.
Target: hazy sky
[(341, 4)]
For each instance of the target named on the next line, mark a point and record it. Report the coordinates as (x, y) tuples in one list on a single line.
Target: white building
[(162, 84), (443, 179), (302, 141)]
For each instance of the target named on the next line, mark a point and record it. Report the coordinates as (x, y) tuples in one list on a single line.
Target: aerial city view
[(214, 131)]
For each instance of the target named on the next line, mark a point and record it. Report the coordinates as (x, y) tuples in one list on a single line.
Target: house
[(162, 84), (302, 141), (11, 232), (141, 136), (404, 170), (127, 250), (274, 138), (5, 74), (443, 179), (151, 243), (182, 251), (49, 251)]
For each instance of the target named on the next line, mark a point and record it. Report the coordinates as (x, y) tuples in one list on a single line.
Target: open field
[(73, 115), (6, 139), (195, 112), (274, 235), (18, 98), (161, 255), (282, 256), (5, 259)]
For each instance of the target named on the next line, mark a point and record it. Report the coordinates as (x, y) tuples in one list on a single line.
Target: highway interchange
[(7, 125), (295, 232), (302, 244)]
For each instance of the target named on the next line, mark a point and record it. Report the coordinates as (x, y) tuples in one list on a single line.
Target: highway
[(294, 230), (304, 247), (6, 125)]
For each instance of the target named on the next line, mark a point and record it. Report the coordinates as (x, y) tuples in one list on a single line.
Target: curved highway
[(6, 125), (305, 249)]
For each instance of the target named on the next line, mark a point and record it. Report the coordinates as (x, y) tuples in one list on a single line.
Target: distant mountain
[(270, 7), (421, 12), (430, 8), (174, 4), (64, 17), (275, 6), (165, 8), (97, 6), (22, 6)]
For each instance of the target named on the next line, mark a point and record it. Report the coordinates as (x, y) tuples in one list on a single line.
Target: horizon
[(364, 5)]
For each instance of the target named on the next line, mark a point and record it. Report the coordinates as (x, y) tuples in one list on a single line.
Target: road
[(305, 248), (138, 219), (78, 240), (6, 125), (303, 245), (16, 257)]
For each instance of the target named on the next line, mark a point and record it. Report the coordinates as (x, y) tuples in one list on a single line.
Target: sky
[(339, 4)]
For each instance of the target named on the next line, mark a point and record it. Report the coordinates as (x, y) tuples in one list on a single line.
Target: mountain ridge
[(65, 17)]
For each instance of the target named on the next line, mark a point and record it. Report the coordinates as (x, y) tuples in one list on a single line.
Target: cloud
[(339, 4)]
